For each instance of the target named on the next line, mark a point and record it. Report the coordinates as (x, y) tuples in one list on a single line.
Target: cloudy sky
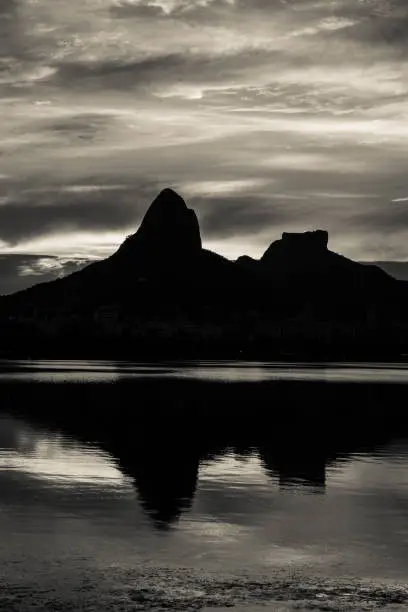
[(266, 115)]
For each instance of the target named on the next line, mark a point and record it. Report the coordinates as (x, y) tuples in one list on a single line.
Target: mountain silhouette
[(161, 286), (165, 252), (306, 276), (169, 235), (304, 258)]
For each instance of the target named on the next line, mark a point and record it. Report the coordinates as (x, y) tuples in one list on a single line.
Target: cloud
[(381, 21), (156, 73), (125, 9), (62, 212), (398, 200), (119, 73), (253, 109), (389, 218), (19, 271), (8, 7), (63, 208), (238, 215), (86, 126)]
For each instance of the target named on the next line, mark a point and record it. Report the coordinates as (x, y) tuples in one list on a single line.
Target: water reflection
[(53, 459), (165, 478), (300, 473), (93, 371), (120, 484), (164, 475), (158, 432), (166, 482)]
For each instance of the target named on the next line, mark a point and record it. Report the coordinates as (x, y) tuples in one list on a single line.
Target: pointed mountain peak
[(167, 205), (170, 199), (168, 230), (168, 193)]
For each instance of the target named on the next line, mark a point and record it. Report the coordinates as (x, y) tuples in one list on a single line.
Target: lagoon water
[(85, 527)]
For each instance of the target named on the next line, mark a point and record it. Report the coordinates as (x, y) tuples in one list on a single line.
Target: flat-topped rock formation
[(302, 244)]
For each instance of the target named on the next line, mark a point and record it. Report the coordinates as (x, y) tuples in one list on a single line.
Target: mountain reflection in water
[(145, 488), (159, 432)]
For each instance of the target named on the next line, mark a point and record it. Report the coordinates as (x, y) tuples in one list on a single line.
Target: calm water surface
[(79, 530)]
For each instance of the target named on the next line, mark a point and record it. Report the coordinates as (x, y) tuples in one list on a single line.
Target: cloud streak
[(19, 271)]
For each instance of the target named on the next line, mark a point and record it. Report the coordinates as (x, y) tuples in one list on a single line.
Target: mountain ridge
[(161, 277), (169, 227)]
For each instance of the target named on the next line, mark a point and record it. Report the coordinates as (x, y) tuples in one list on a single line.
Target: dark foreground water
[(203, 486)]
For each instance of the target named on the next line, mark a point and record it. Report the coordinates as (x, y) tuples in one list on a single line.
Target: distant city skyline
[(266, 116)]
